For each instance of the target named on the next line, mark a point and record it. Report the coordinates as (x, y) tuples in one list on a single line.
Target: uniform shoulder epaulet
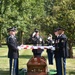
[(9, 38), (64, 36)]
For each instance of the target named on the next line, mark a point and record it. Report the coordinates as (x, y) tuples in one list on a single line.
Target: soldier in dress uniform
[(50, 52), (13, 53), (37, 40), (61, 52)]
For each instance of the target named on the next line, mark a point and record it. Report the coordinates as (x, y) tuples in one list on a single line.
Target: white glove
[(33, 34), (19, 48), (53, 48), (22, 46), (40, 39)]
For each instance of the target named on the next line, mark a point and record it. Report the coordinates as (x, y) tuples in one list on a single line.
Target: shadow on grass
[(51, 72), (4, 72), (26, 56), (22, 56), (21, 72), (73, 47), (45, 56), (3, 46), (71, 73), (24, 72), (3, 56)]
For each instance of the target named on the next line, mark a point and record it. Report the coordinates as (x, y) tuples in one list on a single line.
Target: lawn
[(25, 55)]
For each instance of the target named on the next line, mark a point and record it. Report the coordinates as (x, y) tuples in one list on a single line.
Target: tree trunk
[(20, 38), (0, 37), (70, 49)]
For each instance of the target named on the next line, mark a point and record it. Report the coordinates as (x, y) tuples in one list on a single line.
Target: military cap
[(55, 30), (60, 28), (36, 30), (12, 29)]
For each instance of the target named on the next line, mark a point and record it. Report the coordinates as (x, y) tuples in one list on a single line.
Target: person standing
[(50, 52), (37, 40), (61, 51), (13, 53)]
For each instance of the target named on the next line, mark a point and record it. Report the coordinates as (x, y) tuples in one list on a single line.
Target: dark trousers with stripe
[(13, 62), (50, 56), (60, 65)]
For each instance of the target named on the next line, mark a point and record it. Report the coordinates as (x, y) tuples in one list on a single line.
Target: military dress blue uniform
[(37, 41), (61, 53), (13, 53), (50, 52)]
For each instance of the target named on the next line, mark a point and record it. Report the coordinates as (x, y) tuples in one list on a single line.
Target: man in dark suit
[(61, 52), (37, 41), (13, 53)]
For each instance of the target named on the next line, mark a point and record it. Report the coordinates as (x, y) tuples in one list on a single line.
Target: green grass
[(25, 55)]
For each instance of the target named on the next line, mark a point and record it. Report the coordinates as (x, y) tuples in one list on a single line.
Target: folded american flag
[(36, 47)]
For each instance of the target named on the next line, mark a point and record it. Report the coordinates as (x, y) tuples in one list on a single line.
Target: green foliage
[(45, 15)]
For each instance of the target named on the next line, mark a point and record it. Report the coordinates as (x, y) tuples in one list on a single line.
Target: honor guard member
[(37, 40), (13, 53), (50, 52), (55, 42), (61, 52)]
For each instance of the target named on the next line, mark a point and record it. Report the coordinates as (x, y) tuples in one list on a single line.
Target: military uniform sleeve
[(11, 43), (65, 45), (64, 42)]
